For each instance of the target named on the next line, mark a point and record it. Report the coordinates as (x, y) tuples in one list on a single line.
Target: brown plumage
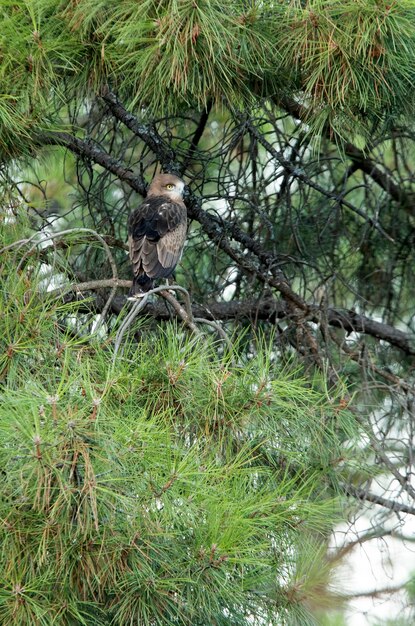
[(157, 232)]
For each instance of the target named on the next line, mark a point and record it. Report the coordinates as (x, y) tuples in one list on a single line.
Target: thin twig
[(140, 304), (181, 312), (374, 593), (46, 237), (359, 158), (366, 496), (217, 327), (300, 174)]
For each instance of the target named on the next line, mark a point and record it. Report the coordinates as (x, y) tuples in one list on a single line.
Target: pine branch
[(367, 496), (145, 132), (267, 309), (359, 159), (216, 228), (89, 149), (299, 173)]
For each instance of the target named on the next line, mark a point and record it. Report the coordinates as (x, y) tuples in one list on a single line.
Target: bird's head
[(167, 185)]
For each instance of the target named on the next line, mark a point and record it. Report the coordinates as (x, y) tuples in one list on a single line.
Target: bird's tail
[(140, 285)]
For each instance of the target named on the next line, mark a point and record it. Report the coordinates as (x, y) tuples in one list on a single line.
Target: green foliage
[(178, 485), (355, 59), (334, 619), (410, 588), (353, 62)]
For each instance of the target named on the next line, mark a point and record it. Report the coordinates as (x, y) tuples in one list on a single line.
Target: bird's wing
[(156, 235), (170, 247)]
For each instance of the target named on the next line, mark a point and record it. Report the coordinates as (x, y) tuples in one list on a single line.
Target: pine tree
[(177, 484), (187, 461)]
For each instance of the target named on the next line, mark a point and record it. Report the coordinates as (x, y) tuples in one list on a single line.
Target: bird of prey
[(157, 233)]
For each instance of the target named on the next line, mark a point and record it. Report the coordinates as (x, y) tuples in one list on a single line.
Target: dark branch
[(299, 173), (145, 132), (392, 505), (217, 229), (266, 309), (90, 149), (359, 159), (197, 136), (353, 322)]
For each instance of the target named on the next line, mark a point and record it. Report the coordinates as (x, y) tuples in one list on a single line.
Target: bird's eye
[(170, 186)]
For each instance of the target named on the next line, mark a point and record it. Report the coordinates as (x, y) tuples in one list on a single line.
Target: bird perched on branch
[(157, 233)]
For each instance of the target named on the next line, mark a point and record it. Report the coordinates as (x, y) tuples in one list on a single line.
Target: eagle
[(157, 233)]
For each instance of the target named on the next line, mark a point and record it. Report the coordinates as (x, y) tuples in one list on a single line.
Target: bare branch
[(359, 159), (146, 132), (392, 505), (297, 172), (185, 315), (267, 309), (374, 593), (344, 550), (351, 321), (89, 149), (141, 303)]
